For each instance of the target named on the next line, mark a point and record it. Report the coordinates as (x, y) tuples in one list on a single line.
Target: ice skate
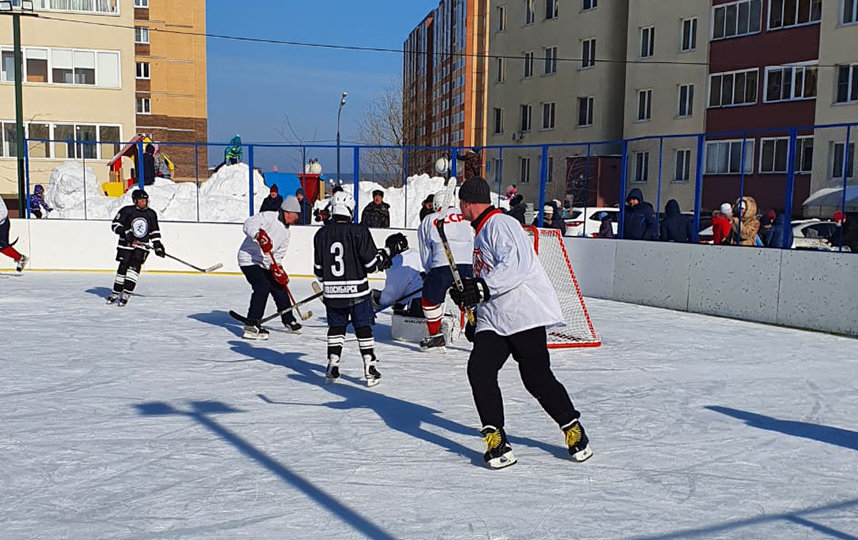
[(498, 451), (112, 298), (577, 441), (123, 298), (254, 331), (293, 327), (332, 372), (434, 343), (373, 377), (22, 262)]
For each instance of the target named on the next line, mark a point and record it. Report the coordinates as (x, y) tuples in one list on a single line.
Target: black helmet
[(138, 194)]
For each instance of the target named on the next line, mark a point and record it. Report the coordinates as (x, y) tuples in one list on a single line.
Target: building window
[(498, 120), (143, 70), (644, 105), (524, 170), (8, 140), (496, 163), (682, 170), (550, 60), (36, 65), (736, 88), (837, 162), (141, 35), (7, 66), (144, 105), (647, 42), (525, 117), (786, 13), (847, 84), (548, 115), (689, 35), (528, 65), (790, 83), (589, 4), (804, 155), (78, 6), (141, 3), (725, 157), (641, 167), (585, 111), (551, 8), (588, 53), (736, 19), (501, 13), (850, 11), (501, 66), (774, 155), (529, 12), (686, 100), (64, 66)]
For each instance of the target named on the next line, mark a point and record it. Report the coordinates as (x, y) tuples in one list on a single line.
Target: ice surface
[(157, 421)]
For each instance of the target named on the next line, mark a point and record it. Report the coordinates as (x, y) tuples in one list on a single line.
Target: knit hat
[(274, 188), (475, 190), (429, 199), (299, 191), (378, 192), (727, 209), (291, 205), (548, 209), (838, 216), (602, 215)]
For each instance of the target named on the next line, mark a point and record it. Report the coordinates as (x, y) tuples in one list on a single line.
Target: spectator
[(511, 192), (517, 208), (640, 222), (722, 225), (766, 222), (149, 165), (427, 206), (551, 218), (37, 202), (376, 214), (306, 215), (746, 226), (273, 201), (233, 153), (676, 226), (606, 228), (471, 163), (780, 236), (850, 234)]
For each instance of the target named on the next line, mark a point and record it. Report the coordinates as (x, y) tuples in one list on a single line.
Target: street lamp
[(340, 110)]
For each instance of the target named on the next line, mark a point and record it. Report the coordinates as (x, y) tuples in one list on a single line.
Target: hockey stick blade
[(213, 267), (245, 320)]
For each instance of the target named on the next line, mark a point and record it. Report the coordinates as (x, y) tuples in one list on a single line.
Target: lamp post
[(16, 8), (340, 110)]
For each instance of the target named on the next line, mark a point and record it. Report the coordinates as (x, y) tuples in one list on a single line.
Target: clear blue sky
[(251, 86)]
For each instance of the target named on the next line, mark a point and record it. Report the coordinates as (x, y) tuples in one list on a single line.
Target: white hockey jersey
[(459, 233), (4, 212), (402, 278), (521, 294), (250, 253)]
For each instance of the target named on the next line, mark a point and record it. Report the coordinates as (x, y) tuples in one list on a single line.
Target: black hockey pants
[(130, 263), (529, 349), (263, 284)]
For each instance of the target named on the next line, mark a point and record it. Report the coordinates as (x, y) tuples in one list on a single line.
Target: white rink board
[(652, 277)]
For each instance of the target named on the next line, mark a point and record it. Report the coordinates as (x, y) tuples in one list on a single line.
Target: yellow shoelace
[(492, 440), (573, 435)]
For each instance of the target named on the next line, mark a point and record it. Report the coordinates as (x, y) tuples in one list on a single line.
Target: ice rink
[(158, 421)]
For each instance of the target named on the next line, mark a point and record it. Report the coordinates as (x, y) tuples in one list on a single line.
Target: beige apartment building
[(78, 86)]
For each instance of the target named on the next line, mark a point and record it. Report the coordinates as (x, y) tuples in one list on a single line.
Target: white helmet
[(342, 204), (439, 199)]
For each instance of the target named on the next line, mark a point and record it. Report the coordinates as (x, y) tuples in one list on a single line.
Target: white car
[(577, 218), (815, 234)]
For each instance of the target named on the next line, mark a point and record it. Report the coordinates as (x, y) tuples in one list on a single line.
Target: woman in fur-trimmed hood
[(746, 211)]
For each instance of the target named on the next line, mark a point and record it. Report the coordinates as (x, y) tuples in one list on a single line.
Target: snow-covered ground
[(157, 421)]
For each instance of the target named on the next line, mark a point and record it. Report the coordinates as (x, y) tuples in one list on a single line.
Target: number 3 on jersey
[(338, 269)]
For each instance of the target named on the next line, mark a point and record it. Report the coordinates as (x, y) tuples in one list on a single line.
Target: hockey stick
[(302, 316), (317, 293), (398, 300), (211, 268), (457, 279)]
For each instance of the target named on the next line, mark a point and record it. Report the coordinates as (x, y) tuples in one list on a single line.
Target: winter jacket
[(233, 151), (721, 230), (306, 215), (376, 216), (606, 228), (676, 227), (148, 169), (777, 238), (555, 223), (850, 235), (270, 204), (425, 212), (640, 221), (36, 202), (517, 212), (747, 233)]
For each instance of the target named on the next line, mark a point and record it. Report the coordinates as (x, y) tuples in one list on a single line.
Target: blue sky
[(251, 86)]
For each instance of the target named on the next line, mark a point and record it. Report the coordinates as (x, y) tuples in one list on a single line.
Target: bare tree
[(291, 136), (382, 126)]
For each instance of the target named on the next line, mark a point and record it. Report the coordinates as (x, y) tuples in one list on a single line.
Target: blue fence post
[(499, 172), (26, 150), (140, 179), (845, 179), (454, 164), (586, 187), (405, 185), (250, 176), (543, 177), (741, 204), (197, 175), (356, 182), (698, 189), (790, 190), (624, 173), (658, 195)]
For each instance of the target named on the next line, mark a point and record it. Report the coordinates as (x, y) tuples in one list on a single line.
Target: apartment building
[(417, 94), (170, 72), (78, 86)]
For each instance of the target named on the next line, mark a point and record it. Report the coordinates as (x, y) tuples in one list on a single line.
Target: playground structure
[(117, 185)]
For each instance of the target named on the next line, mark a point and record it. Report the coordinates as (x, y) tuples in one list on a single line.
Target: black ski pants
[(530, 350), (263, 284)]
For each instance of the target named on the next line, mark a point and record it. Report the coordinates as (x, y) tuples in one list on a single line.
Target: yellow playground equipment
[(117, 185)]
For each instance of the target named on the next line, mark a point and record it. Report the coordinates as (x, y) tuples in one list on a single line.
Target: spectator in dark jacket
[(376, 214), (640, 222), (149, 165), (517, 208), (306, 215), (427, 206), (780, 235), (272, 202), (606, 228), (676, 226), (551, 218), (850, 234)]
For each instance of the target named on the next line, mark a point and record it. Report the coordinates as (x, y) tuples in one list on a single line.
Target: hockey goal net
[(551, 253)]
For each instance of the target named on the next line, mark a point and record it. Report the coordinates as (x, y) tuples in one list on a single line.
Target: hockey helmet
[(139, 194), (342, 204), (439, 200)]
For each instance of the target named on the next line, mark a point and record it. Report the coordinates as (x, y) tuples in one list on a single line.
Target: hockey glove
[(264, 241), (396, 244), (129, 236), (158, 247), (384, 260), (474, 291), (279, 274), (470, 330), (376, 299)]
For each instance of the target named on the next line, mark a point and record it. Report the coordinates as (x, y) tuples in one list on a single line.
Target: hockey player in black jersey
[(137, 228), (344, 252)]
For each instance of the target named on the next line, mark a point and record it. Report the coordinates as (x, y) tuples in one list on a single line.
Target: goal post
[(551, 252)]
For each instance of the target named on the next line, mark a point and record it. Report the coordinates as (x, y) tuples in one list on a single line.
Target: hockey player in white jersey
[(439, 277), (515, 303), (403, 283)]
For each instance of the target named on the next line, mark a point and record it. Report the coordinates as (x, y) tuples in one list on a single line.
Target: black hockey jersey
[(143, 223), (344, 253)]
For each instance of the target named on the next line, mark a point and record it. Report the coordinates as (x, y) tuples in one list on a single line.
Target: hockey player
[(267, 238), (137, 228), (344, 252), (439, 277), (402, 284), (5, 247), (516, 303)]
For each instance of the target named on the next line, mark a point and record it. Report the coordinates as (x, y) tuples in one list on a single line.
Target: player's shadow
[(403, 416), (202, 412), (221, 319), (827, 434), (101, 292)]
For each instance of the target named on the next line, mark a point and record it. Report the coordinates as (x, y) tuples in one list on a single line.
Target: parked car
[(576, 218), (815, 234)]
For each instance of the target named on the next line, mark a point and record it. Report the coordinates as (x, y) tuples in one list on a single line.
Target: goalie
[(403, 282)]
